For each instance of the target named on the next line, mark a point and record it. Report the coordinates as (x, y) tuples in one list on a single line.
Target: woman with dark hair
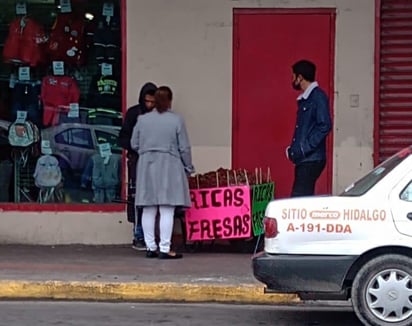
[(165, 161)]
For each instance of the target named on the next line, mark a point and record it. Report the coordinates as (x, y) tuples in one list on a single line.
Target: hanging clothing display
[(57, 91), (26, 42)]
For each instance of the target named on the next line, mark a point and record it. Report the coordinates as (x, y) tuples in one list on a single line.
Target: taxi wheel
[(382, 291)]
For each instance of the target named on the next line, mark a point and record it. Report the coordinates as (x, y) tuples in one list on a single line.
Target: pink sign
[(219, 213)]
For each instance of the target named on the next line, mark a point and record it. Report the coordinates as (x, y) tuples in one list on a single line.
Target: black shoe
[(139, 245), (170, 255), (151, 254)]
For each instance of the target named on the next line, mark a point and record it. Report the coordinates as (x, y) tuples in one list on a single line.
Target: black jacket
[(131, 118)]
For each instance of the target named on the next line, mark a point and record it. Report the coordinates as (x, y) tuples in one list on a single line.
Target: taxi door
[(401, 205)]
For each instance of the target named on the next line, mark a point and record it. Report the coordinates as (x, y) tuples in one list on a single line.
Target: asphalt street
[(128, 314)]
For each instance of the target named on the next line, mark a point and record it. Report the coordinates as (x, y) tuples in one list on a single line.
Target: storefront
[(191, 46), (393, 119)]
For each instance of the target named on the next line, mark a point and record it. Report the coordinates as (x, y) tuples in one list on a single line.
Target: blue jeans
[(25, 97), (137, 225), (104, 195)]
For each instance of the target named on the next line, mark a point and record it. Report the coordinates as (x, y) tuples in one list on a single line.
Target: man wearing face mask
[(313, 123)]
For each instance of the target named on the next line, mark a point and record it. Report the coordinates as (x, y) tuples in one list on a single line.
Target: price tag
[(21, 8), (58, 68), (65, 6), (12, 81), (108, 9), (105, 152), (24, 73), (21, 116), (107, 69), (73, 110), (45, 147)]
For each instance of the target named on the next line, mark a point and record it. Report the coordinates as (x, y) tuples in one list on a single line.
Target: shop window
[(60, 103)]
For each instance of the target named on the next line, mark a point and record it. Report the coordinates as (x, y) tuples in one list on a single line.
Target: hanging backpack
[(23, 134), (47, 173)]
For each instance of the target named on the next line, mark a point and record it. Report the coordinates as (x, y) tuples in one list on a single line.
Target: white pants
[(165, 227)]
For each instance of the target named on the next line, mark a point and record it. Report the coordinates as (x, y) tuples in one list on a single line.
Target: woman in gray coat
[(165, 161)]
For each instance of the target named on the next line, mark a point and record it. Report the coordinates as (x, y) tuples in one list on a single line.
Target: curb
[(160, 292)]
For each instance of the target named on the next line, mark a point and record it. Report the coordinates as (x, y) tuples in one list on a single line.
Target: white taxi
[(357, 245)]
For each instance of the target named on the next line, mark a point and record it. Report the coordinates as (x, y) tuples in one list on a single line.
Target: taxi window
[(406, 194), (361, 186)]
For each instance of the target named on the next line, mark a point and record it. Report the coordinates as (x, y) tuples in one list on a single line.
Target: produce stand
[(228, 204)]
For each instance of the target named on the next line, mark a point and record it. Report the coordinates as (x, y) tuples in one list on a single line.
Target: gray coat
[(165, 159)]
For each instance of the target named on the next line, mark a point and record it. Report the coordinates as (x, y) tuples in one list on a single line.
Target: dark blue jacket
[(313, 123)]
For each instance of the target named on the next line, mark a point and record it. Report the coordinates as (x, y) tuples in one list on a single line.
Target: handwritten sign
[(262, 194), (219, 213)]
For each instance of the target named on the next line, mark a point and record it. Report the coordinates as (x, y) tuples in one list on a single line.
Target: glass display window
[(61, 105)]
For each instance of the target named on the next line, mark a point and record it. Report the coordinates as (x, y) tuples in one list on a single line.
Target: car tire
[(384, 280)]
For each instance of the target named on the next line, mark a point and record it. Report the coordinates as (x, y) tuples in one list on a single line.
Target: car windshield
[(368, 181)]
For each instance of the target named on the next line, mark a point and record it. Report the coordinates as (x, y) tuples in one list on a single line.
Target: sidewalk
[(110, 273)]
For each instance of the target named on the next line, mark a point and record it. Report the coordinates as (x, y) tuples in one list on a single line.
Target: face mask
[(296, 86)]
